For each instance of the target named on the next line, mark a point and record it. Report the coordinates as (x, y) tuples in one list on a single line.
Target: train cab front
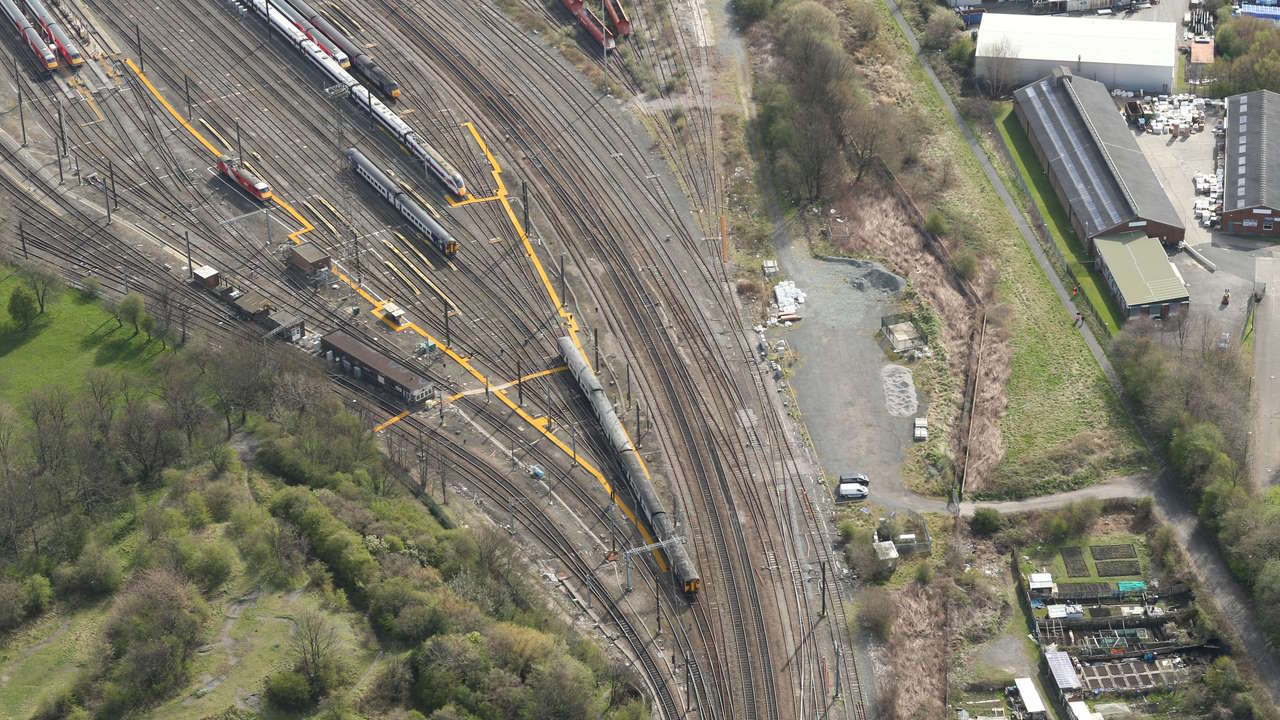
[(451, 248), (456, 184), (691, 587), (261, 190)]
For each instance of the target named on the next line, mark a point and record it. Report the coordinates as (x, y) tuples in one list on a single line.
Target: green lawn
[(44, 657), (1055, 216), (74, 334)]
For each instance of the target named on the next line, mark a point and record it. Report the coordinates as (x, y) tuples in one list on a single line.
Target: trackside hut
[(373, 367), (1093, 161), (1140, 276)]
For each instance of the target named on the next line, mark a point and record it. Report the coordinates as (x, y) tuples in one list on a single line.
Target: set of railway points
[(495, 193)]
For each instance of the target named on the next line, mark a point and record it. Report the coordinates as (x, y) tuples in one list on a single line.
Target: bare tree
[(145, 438), (8, 462), (49, 410), (239, 381), (999, 65), (315, 643), (180, 390), (98, 403), (42, 283)]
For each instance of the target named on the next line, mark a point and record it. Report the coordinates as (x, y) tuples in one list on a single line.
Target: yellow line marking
[(405, 260), (400, 275), (464, 363), (504, 386), (391, 421), (320, 217), (337, 215), (88, 96)]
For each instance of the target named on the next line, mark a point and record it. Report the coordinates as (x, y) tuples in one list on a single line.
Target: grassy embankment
[(1056, 391)]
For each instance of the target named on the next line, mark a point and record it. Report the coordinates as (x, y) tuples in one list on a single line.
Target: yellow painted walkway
[(500, 196)]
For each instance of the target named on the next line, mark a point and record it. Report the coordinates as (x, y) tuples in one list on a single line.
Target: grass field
[(1056, 390), (1055, 216), (74, 334)]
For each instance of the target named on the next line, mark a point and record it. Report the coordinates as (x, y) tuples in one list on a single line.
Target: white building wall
[(1153, 79)]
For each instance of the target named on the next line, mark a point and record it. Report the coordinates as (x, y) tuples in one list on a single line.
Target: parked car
[(1224, 340), (858, 478), (852, 491)]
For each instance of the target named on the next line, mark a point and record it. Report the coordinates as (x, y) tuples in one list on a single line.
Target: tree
[(942, 24), (877, 611), (239, 381), (42, 283), (868, 132), (22, 307), (9, 449), (999, 67), (865, 19), (131, 310), (180, 389), (148, 325), (146, 440), (315, 649), (289, 690)]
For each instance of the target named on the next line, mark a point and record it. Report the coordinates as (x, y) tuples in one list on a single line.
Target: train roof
[(374, 359)]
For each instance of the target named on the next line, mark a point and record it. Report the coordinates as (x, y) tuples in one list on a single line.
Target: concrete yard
[(838, 378)]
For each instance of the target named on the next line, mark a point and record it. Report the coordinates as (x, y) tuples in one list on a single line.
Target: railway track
[(723, 469)]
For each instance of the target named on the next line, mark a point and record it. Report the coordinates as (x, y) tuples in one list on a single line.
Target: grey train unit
[(360, 96), (380, 78), (637, 479), (400, 200)]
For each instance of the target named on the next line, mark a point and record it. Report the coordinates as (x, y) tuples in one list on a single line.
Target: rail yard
[(537, 271)]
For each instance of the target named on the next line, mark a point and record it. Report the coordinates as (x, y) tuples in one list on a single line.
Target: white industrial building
[(1135, 55)]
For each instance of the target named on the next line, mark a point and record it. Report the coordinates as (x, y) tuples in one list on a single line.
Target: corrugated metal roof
[(374, 359), (1070, 39), (1092, 153), (1140, 268), (1064, 673), (1251, 177), (1030, 696)]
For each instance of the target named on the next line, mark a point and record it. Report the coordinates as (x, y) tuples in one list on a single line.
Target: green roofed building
[(1143, 280)]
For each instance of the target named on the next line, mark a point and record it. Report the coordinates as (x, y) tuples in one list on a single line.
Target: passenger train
[(400, 200), (69, 48), (363, 63), (360, 96), (45, 56)]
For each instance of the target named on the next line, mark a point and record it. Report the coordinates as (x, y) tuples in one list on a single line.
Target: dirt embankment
[(878, 225), (917, 658)]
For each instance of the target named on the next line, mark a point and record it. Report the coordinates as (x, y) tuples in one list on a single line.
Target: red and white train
[(47, 59), (242, 177)]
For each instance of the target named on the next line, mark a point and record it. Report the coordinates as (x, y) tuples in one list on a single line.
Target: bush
[(22, 307), (96, 574), (965, 263), (221, 498), (211, 567), (90, 287), (11, 605), (986, 521), (924, 573), (935, 223), (37, 594), (877, 612), (196, 510), (289, 690), (749, 11)]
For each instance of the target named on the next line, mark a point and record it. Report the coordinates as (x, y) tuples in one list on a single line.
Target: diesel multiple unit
[(400, 200), (359, 95), (634, 471)]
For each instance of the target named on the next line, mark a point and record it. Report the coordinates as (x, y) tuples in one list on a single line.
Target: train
[(45, 56), (242, 177), (641, 485), (69, 48), (413, 212), (359, 58), (360, 96), (314, 33)]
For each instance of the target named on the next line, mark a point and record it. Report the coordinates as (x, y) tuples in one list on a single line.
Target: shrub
[(924, 573), (211, 567), (221, 498), (11, 605), (289, 690), (986, 521), (37, 594), (965, 263), (749, 11), (97, 573), (877, 612), (152, 634), (22, 307), (196, 510), (90, 287), (935, 223)]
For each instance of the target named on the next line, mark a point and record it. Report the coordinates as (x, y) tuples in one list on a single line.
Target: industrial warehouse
[(1102, 178), (1013, 50), (1251, 198)]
